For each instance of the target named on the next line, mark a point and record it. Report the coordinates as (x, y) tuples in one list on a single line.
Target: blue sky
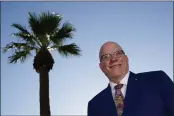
[(143, 29)]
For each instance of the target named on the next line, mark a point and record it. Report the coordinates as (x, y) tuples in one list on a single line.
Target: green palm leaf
[(19, 55), (18, 46), (46, 23), (26, 38), (20, 27), (63, 34), (45, 32), (70, 49)]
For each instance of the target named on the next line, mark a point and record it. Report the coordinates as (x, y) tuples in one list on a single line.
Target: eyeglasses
[(107, 57)]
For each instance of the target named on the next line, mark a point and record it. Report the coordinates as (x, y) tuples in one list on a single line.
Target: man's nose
[(113, 59)]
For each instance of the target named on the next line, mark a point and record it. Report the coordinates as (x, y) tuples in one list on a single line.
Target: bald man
[(130, 94)]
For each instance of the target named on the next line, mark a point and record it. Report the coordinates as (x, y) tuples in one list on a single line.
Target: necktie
[(119, 99)]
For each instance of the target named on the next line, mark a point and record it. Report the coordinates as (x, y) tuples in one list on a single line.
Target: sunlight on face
[(113, 61)]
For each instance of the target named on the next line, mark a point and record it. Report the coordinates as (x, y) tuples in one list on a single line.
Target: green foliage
[(44, 31)]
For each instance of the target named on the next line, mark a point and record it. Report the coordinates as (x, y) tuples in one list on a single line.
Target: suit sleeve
[(91, 111), (167, 89)]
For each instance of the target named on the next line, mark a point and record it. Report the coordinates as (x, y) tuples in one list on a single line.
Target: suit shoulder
[(151, 72), (99, 96), (152, 75)]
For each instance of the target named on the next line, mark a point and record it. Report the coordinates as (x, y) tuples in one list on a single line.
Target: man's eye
[(105, 57), (118, 53)]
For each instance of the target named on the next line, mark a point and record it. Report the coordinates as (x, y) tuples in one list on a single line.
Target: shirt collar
[(123, 81)]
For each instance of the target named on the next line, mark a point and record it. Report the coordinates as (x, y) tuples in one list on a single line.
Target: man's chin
[(115, 76)]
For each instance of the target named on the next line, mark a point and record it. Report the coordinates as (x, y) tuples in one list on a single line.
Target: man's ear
[(100, 65), (127, 58)]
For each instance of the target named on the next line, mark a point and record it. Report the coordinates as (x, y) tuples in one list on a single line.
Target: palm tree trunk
[(44, 92)]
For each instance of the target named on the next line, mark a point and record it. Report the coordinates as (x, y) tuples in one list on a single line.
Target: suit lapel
[(132, 90), (131, 93), (109, 107)]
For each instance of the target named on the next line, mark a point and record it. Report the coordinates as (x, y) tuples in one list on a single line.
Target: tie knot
[(119, 86)]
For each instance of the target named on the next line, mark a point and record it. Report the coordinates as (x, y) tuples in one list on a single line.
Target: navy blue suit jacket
[(147, 94)]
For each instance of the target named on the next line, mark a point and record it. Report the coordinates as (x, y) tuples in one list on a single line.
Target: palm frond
[(69, 49), (25, 37), (20, 28), (20, 55), (45, 23), (34, 23), (24, 34), (63, 34), (45, 31), (19, 47), (49, 22)]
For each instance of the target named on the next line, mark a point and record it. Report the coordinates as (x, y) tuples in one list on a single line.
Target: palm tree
[(46, 33)]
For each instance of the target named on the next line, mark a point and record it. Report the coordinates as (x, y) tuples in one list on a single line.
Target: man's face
[(113, 61)]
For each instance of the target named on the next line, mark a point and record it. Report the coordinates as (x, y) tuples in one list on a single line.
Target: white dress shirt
[(123, 89)]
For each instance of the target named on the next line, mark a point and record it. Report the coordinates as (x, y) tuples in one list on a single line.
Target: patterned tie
[(119, 99)]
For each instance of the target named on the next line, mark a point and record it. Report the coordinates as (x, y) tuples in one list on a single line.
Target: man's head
[(113, 61)]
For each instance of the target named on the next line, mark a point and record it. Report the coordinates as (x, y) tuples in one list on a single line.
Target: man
[(129, 94)]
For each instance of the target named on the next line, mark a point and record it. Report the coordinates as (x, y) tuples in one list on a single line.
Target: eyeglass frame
[(121, 52)]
